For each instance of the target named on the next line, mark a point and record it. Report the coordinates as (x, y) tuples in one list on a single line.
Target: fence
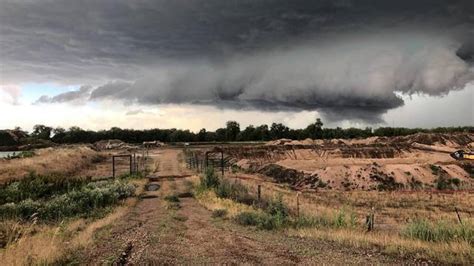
[(216, 159), (129, 163)]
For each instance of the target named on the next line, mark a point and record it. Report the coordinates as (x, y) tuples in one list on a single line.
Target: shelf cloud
[(350, 60)]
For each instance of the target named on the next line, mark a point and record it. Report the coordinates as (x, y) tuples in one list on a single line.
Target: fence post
[(131, 171), (113, 166), (370, 220), (298, 204), (259, 192), (459, 216)]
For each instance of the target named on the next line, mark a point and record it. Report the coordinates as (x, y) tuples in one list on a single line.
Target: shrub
[(277, 207), (235, 191), (210, 180), (172, 198), (443, 182), (247, 218), (261, 220), (219, 213), (83, 201), (35, 187)]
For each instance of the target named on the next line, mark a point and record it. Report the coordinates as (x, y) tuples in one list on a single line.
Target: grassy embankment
[(44, 217)]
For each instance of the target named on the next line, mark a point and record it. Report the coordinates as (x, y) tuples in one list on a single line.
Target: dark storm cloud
[(345, 58)]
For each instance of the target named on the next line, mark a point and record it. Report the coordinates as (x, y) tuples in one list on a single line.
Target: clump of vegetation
[(444, 182), (85, 201), (234, 191), (21, 154), (172, 198), (38, 186), (219, 213), (261, 220), (415, 183), (441, 231), (209, 180), (339, 220), (180, 218), (172, 205)]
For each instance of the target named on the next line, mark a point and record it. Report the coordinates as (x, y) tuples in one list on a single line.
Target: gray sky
[(169, 63)]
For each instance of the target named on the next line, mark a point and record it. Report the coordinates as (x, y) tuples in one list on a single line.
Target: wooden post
[(298, 204), (130, 157), (370, 220), (259, 192), (459, 216), (113, 166)]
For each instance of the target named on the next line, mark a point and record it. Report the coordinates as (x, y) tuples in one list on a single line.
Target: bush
[(247, 218), (235, 191), (172, 198), (219, 213), (261, 220), (443, 182), (441, 231), (210, 180), (35, 187), (277, 207), (82, 201)]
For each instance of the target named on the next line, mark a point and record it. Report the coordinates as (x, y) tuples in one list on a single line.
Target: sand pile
[(111, 144)]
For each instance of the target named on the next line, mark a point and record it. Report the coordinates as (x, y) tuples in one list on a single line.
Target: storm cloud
[(346, 59)]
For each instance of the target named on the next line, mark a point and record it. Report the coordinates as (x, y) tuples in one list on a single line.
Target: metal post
[(130, 157)]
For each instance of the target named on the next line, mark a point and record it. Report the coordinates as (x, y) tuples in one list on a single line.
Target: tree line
[(231, 132)]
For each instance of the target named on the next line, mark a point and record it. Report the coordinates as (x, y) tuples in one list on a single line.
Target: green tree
[(42, 132), (232, 130), (278, 131), (202, 135)]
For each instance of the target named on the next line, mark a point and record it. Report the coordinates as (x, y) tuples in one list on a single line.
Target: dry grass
[(393, 212), (392, 209), (211, 202), (452, 252), (49, 161), (46, 244)]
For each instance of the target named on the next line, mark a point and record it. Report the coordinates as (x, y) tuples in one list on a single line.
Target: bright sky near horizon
[(197, 64)]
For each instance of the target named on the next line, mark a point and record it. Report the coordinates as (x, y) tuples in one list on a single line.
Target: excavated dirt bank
[(419, 161)]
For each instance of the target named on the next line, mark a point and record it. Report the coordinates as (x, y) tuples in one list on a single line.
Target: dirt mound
[(296, 179), (450, 140), (111, 144), (278, 142)]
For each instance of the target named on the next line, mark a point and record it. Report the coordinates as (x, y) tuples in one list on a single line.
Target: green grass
[(441, 231), (86, 201), (52, 198)]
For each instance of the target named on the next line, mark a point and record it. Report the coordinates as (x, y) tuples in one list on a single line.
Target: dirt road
[(155, 232)]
